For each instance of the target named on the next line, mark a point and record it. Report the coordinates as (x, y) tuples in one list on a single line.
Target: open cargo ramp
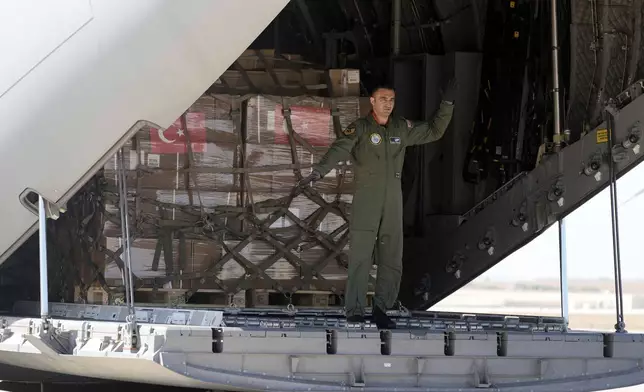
[(253, 350)]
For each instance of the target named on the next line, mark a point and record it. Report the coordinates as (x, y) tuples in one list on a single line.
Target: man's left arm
[(430, 131)]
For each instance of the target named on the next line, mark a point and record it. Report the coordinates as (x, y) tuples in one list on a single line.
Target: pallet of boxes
[(214, 211)]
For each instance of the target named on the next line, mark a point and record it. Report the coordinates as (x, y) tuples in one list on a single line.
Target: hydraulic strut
[(610, 112)]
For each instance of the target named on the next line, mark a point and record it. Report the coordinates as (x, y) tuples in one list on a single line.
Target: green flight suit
[(377, 154)]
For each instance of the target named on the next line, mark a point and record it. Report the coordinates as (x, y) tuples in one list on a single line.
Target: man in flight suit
[(376, 144)]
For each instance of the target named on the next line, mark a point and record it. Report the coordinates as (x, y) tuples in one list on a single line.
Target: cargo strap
[(215, 224)]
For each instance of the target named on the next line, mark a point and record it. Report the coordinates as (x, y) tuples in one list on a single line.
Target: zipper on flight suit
[(385, 139)]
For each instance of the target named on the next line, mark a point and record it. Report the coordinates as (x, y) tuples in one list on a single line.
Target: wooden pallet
[(216, 298)]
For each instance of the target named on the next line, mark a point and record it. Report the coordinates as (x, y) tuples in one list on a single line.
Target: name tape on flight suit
[(394, 140)]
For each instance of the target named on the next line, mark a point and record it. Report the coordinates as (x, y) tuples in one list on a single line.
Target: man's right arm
[(340, 150)]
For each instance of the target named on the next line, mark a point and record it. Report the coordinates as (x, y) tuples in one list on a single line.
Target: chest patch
[(375, 139), (394, 140)]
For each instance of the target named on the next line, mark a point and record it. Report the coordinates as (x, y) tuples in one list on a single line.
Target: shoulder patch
[(350, 130), (410, 124)]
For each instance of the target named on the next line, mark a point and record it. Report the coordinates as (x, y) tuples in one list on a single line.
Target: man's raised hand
[(449, 90)]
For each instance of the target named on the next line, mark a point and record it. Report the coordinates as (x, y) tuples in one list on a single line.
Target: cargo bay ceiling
[(503, 63), (512, 36), (600, 52), (358, 33)]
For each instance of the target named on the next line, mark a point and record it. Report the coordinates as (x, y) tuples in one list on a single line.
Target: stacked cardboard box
[(267, 72), (227, 164), (171, 187)]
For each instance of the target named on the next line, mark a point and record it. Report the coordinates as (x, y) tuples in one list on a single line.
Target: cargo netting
[(214, 206)]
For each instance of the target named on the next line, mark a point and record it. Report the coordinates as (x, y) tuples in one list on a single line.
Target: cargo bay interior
[(216, 223)]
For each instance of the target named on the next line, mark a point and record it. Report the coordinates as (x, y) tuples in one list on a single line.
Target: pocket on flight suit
[(396, 146), (363, 229)]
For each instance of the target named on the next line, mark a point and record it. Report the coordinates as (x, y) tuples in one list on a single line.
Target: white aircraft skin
[(78, 77)]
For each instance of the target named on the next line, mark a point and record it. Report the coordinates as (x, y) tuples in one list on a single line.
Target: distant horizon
[(503, 279), (588, 242)]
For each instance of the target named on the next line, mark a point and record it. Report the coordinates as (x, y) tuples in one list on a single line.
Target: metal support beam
[(395, 39), (44, 287), (527, 194), (555, 77), (563, 271), (563, 259), (310, 24)]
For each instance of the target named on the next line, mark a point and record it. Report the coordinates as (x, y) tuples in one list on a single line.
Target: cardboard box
[(286, 81), (345, 82), (163, 183), (262, 59)]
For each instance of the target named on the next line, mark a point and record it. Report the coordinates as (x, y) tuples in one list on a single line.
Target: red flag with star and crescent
[(312, 123), (172, 140)]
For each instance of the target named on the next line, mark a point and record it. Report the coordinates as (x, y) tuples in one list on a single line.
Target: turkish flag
[(173, 139), (311, 123)]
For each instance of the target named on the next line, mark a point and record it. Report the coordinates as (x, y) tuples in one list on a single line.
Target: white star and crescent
[(180, 132)]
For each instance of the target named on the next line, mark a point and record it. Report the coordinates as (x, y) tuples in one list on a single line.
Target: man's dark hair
[(381, 86)]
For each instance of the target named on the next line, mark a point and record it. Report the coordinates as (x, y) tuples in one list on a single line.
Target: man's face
[(382, 102)]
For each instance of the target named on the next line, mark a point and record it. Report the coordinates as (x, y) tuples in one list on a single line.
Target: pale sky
[(589, 240)]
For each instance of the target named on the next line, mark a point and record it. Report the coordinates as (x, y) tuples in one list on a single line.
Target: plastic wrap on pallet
[(217, 153), (310, 116), (172, 201), (311, 119), (171, 189), (163, 154), (282, 270), (198, 257), (333, 221)]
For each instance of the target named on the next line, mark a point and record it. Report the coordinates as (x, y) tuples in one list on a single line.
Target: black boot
[(356, 318), (382, 320)]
